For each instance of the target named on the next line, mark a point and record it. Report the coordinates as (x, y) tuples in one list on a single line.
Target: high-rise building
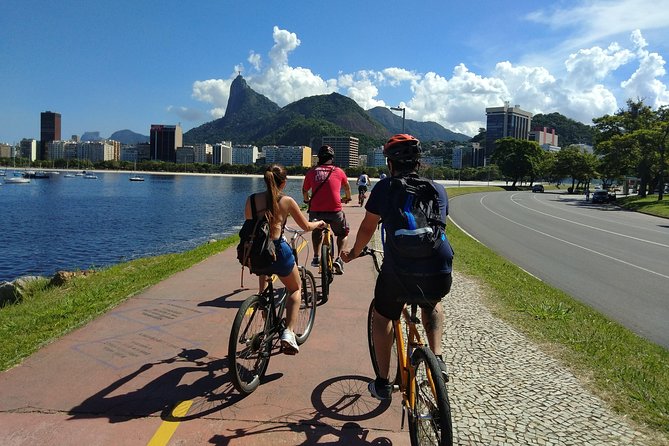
[(222, 153), (49, 131), (345, 148), (505, 121), (164, 140), (28, 149)]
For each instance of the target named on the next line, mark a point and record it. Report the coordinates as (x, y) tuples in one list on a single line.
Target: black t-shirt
[(379, 204)]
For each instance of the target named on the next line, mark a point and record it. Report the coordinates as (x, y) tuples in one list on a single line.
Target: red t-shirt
[(328, 197)]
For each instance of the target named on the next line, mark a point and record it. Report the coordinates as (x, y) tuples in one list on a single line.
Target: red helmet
[(402, 147)]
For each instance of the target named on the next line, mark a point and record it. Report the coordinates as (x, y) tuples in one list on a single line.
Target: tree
[(574, 163), (633, 142), (517, 158)]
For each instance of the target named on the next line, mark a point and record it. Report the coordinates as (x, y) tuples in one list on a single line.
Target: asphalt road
[(613, 260)]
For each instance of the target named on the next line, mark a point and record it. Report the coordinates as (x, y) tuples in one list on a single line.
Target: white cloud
[(586, 89), (591, 22), (186, 114), (644, 82)]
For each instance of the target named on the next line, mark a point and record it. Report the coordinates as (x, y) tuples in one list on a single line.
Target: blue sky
[(127, 64)]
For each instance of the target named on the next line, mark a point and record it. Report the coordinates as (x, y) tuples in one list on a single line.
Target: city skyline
[(442, 62)]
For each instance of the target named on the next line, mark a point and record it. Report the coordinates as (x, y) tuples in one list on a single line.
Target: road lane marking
[(574, 244), (167, 428), (584, 225)]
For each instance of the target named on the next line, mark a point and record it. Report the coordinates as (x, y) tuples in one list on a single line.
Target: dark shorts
[(336, 220), (393, 291), (285, 261), (362, 189)]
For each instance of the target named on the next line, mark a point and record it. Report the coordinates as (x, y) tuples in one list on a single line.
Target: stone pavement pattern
[(118, 379), (506, 391)]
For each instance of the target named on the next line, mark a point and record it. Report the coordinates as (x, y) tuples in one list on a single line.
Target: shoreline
[(450, 183)]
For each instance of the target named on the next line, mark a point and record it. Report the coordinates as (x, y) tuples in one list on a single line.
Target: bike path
[(154, 371)]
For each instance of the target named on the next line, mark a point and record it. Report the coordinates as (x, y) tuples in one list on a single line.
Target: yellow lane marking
[(167, 428)]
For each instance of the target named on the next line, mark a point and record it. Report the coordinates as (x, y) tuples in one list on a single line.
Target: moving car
[(538, 188)]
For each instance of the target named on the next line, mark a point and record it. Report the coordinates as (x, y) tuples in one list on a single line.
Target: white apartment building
[(222, 153), (96, 151), (63, 150), (244, 154), (203, 152), (288, 155)]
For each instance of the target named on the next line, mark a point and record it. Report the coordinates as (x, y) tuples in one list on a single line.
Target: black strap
[(319, 187)]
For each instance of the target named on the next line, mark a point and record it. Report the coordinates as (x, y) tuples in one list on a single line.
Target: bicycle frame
[(405, 352)]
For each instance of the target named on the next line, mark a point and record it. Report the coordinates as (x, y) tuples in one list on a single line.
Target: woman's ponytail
[(275, 175)]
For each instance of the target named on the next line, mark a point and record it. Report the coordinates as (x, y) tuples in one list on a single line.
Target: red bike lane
[(153, 371)]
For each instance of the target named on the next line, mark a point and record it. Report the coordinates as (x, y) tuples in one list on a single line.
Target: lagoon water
[(65, 223)]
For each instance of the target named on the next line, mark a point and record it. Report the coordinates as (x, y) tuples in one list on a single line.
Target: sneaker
[(380, 391), (288, 344), (315, 262), (338, 266), (444, 370)]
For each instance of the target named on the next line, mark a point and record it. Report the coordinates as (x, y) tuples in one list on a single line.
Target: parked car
[(538, 188), (602, 196)]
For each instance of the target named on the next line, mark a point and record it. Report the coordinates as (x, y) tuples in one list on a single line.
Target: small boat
[(35, 174), (17, 180), (90, 176), (69, 175), (136, 178)]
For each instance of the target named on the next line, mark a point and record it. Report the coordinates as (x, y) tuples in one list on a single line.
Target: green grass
[(47, 313), (647, 205), (629, 372)]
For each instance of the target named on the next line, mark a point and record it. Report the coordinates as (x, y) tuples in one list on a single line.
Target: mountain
[(91, 136), (427, 131), (128, 137), (568, 130), (245, 114), (252, 118)]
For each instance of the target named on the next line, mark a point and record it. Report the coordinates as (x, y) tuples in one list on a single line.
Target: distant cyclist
[(402, 276), (325, 182), (363, 184)]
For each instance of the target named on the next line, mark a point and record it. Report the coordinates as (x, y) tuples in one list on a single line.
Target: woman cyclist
[(279, 206)]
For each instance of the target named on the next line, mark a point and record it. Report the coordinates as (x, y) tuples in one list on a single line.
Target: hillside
[(129, 137), (568, 131), (427, 131), (252, 118)]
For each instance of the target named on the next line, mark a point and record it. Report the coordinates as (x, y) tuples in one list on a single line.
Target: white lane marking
[(573, 244), (587, 226)]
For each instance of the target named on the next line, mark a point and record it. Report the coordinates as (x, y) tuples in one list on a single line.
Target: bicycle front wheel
[(430, 417), (393, 370), (326, 270), (250, 344), (307, 313)]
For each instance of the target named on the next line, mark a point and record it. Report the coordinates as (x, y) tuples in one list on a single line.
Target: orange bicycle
[(417, 376)]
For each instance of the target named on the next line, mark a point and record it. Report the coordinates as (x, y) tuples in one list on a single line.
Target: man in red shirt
[(325, 203)]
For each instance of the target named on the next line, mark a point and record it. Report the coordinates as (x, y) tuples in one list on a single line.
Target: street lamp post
[(403, 110)]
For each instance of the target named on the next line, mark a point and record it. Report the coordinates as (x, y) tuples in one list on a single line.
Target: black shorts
[(362, 189), (393, 291), (336, 220)]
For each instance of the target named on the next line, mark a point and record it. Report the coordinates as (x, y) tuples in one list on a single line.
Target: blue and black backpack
[(413, 228)]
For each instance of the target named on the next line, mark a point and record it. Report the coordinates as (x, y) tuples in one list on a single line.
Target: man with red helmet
[(325, 203), (430, 276)]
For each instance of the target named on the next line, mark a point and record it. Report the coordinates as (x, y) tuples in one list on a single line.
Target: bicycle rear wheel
[(393, 371), (430, 418), (307, 314), (250, 344)]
